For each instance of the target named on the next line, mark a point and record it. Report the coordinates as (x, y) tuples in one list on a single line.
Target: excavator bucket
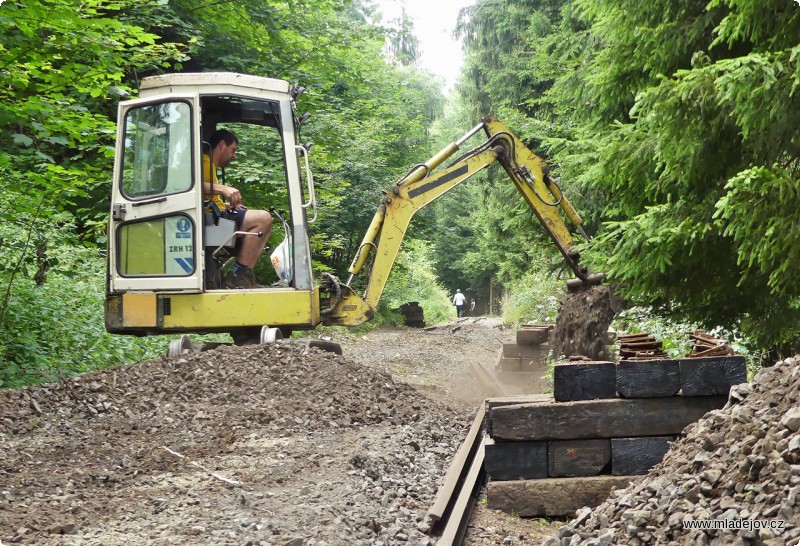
[(580, 284)]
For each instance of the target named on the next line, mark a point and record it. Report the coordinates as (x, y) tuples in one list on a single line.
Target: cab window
[(157, 159), (156, 246)]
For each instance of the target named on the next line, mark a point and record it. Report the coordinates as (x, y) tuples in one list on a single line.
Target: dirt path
[(437, 361), (249, 446)]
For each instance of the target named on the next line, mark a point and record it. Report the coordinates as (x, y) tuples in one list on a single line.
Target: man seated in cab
[(248, 247)]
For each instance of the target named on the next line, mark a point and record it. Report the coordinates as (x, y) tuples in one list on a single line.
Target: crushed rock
[(738, 463), (281, 445)]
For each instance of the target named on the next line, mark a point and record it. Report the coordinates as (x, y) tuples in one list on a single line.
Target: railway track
[(450, 514)]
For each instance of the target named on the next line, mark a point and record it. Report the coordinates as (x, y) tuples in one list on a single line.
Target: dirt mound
[(279, 386), (582, 323), (282, 445), (739, 464)]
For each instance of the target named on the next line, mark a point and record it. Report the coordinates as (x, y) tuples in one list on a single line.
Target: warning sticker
[(179, 245)]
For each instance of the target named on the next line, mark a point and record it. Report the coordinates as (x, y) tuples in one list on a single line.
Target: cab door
[(154, 231)]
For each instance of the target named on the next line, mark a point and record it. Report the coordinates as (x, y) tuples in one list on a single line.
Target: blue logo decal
[(187, 264), (184, 229)]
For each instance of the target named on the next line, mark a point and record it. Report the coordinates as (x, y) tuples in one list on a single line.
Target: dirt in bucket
[(582, 323)]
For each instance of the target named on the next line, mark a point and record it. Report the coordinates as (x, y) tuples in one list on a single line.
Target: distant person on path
[(458, 300)]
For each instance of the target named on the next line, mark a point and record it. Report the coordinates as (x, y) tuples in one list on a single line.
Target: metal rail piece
[(456, 527), (451, 509)]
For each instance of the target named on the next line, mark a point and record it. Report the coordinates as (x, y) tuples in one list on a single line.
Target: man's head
[(224, 144), (458, 290)]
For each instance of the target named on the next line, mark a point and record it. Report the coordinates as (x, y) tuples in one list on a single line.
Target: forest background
[(672, 125)]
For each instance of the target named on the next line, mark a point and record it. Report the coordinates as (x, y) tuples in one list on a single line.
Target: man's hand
[(231, 195)]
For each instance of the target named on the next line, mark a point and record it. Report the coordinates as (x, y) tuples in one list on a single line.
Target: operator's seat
[(219, 235)]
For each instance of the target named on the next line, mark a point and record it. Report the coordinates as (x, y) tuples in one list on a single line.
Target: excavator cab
[(167, 244)]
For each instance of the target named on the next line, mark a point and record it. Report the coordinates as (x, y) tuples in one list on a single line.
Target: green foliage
[(507, 45), (64, 67), (414, 278), (672, 127), (403, 44), (56, 327), (487, 237), (674, 333), (766, 241), (709, 140), (40, 343), (533, 298), (510, 67), (455, 230), (361, 149), (673, 122)]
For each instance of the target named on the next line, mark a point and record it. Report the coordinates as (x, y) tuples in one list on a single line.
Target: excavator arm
[(421, 186)]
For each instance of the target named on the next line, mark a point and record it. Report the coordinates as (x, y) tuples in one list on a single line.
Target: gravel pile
[(262, 445), (285, 387), (739, 464)]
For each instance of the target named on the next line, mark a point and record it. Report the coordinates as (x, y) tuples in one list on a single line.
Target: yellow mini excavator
[(166, 250)]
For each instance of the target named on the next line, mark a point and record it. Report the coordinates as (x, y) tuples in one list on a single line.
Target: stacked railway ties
[(605, 425)]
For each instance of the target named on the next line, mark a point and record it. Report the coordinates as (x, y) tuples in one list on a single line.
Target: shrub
[(414, 278), (534, 298)]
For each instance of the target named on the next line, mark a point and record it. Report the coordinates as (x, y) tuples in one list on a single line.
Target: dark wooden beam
[(608, 418)]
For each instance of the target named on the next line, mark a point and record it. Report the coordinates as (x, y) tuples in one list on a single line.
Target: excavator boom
[(421, 186)]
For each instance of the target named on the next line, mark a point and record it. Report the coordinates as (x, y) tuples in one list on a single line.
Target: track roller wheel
[(270, 335), (180, 346)]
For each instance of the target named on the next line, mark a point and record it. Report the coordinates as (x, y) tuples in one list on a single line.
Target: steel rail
[(457, 523), (461, 479)]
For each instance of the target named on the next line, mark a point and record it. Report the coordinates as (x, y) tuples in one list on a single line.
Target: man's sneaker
[(244, 279)]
